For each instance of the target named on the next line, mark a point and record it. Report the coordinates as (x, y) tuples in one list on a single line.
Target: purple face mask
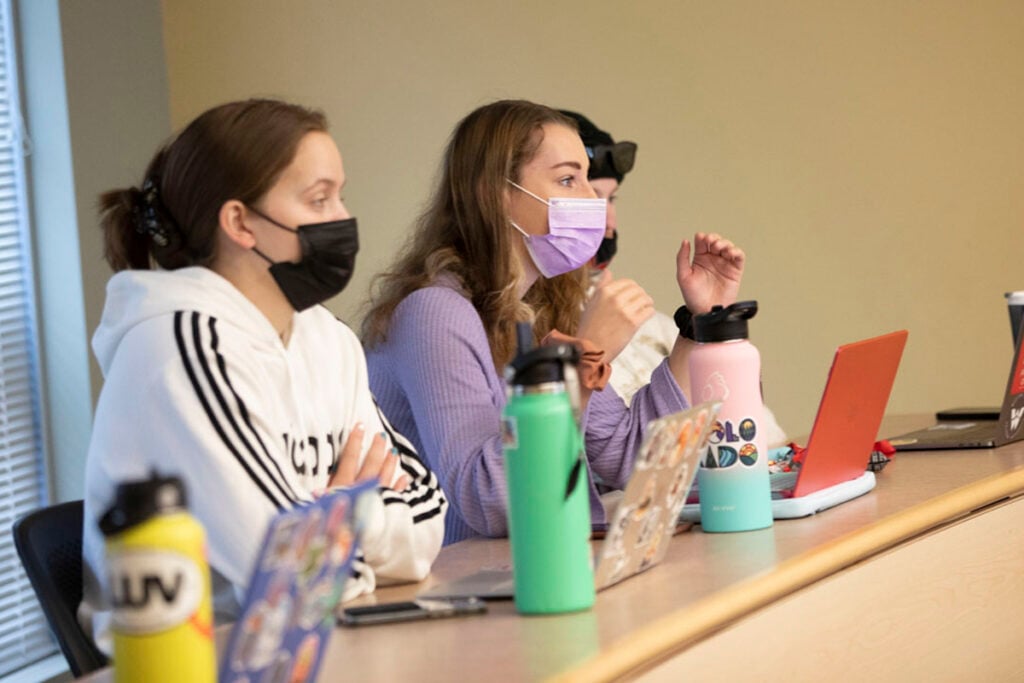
[(575, 230)]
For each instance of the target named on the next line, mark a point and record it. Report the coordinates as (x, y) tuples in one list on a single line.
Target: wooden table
[(920, 579)]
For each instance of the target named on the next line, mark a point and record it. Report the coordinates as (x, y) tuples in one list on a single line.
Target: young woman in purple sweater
[(441, 324)]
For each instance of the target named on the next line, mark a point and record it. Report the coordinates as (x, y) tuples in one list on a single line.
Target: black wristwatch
[(684, 321)]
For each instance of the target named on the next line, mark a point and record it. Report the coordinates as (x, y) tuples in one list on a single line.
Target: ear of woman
[(233, 224), (239, 263)]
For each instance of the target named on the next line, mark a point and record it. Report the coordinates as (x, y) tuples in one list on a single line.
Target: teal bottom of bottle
[(734, 499)]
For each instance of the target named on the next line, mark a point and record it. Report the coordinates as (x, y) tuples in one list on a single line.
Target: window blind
[(24, 635)]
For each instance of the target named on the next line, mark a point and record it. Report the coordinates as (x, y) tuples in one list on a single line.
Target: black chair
[(49, 543)]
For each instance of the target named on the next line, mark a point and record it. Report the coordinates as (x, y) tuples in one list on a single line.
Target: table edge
[(677, 631)]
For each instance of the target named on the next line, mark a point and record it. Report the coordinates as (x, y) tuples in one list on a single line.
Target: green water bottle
[(549, 505)]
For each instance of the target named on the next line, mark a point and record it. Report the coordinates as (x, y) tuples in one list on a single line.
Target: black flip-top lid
[(724, 324), (139, 500), (542, 364)]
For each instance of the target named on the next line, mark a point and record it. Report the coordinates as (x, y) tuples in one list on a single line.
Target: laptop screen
[(851, 411), (297, 581)]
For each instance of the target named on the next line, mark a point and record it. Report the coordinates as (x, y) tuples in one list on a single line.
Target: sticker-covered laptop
[(640, 528), (288, 612), (852, 406)]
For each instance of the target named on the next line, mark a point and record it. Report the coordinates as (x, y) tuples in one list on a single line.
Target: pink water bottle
[(724, 366)]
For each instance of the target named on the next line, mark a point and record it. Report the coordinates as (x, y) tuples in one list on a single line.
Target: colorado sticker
[(748, 454)]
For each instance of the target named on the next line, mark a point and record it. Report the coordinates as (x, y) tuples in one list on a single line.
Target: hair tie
[(594, 370), (151, 218)]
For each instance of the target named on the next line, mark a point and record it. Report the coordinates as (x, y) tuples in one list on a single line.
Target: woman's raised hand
[(713, 276), (613, 314)]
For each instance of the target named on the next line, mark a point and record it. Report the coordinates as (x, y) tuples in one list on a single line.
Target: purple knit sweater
[(436, 382)]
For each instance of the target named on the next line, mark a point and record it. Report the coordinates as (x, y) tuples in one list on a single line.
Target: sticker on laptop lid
[(288, 612)]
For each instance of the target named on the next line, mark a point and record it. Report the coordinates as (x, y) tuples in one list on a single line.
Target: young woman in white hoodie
[(221, 368)]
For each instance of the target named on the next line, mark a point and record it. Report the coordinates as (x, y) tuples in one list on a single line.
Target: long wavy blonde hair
[(465, 232)]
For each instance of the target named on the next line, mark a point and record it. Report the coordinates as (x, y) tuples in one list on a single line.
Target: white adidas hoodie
[(199, 385)]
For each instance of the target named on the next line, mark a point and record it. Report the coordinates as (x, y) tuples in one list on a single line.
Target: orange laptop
[(845, 429)]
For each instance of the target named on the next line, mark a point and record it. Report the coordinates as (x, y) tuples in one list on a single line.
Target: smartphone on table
[(411, 610)]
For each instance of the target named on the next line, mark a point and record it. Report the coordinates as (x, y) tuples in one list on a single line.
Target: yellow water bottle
[(159, 583)]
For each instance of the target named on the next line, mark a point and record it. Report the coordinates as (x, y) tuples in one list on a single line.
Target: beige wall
[(868, 156), (117, 113)]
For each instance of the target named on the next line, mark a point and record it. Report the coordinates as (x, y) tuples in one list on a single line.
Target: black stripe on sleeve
[(399, 441), (358, 560), (391, 496), (425, 489), (243, 411), (179, 337), (424, 516), (218, 394)]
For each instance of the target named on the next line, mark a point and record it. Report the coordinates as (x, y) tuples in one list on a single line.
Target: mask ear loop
[(271, 220), (526, 235), (523, 189)]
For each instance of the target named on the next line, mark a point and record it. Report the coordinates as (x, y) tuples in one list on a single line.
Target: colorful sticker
[(288, 611), (509, 433)]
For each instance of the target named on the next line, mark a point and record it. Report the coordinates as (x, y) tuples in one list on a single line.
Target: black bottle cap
[(724, 324), (541, 364), (137, 501)]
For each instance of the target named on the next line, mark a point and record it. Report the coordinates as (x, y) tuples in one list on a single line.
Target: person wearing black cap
[(610, 161)]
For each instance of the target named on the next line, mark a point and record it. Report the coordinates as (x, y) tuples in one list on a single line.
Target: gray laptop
[(979, 433)]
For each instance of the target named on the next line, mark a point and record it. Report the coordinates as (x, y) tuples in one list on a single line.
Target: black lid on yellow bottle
[(139, 500)]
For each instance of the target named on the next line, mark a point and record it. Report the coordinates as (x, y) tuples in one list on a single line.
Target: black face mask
[(605, 252), (328, 259)]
